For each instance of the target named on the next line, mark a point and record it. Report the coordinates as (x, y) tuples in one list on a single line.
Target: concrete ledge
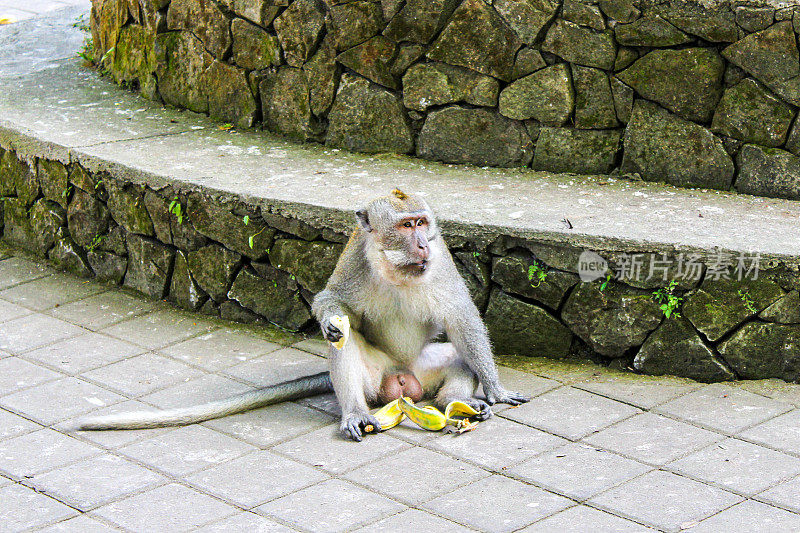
[(90, 172)]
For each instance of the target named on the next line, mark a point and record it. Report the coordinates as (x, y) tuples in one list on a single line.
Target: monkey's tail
[(288, 390)]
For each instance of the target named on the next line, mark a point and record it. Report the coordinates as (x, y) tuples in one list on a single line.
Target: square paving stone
[(269, 425), (80, 524), (665, 500), (95, 481), (642, 391), (784, 495), (653, 439), (280, 365), (497, 443), (22, 508), (582, 519), (19, 270), (570, 412), (413, 520), (186, 449), (324, 402), (327, 449), (159, 328), (33, 331), (142, 374), (255, 478), (103, 309), (84, 352), (169, 508), (777, 389), (51, 291), (245, 522), (220, 349), (314, 346), (201, 390), (16, 374), (782, 432), (723, 408), (524, 382), (9, 311), (578, 470), (330, 506), (750, 517), (60, 399), (497, 504), (425, 475), (739, 466), (12, 425), (36, 452)]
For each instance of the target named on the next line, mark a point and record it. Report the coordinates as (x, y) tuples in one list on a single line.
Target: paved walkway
[(593, 451), (16, 10)]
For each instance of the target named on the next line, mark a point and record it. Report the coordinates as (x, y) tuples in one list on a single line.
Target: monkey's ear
[(363, 219)]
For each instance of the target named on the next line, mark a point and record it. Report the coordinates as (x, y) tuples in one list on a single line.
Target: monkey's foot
[(353, 425), (505, 396), (483, 408)]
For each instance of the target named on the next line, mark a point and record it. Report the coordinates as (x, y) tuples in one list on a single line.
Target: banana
[(458, 408), (389, 416), (428, 417), (343, 323)]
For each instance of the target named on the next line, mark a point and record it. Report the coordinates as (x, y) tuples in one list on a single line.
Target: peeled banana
[(389, 416), (343, 323), (432, 419)]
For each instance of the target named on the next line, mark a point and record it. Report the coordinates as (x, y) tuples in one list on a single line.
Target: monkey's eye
[(421, 222), (407, 224)]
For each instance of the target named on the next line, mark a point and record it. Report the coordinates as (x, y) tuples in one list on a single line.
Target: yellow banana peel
[(389, 416), (427, 417), (343, 323)]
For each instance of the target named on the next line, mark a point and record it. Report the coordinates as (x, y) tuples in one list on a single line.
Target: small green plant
[(226, 127), (251, 240), (97, 240), (98, 183), (536, 274), (609, 277), (246, 220), (87, 51), (670, 302), (67, 191), (176, 209), (747, 300), (476, 254)]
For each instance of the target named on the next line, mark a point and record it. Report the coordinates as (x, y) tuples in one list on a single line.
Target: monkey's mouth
[(416, 268)]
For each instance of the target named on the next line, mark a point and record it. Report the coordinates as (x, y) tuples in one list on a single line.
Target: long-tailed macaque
[(397, 283)]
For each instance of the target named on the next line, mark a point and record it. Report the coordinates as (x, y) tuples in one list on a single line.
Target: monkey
[(398, 284)]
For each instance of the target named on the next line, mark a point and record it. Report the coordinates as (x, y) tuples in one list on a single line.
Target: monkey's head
[(400, 228)]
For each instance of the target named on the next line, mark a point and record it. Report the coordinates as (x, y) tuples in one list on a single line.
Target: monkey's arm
[(326, 305)]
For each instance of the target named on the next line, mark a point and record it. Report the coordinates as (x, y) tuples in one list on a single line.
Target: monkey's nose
[(424, 252)]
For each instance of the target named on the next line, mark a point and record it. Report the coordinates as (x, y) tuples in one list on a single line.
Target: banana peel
[(389, 416), (428, 417), (343, 323)]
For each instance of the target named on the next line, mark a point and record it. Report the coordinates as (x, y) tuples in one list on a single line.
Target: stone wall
[(670, 92), (214, 253)]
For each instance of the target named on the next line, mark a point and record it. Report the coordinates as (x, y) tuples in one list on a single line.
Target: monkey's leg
[(440, 368), (356, 372)]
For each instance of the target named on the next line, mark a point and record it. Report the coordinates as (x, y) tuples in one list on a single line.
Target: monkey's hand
[(501, 395), (353, 425), (329, 331)]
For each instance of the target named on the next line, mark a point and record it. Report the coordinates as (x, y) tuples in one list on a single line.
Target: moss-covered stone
[(168, 227), (431, 84), (310, 263), (373, 60), (107, 266), (366, 118), (768, 172), (87, 218), (527, 17), (750, 113), (126, 204), (476, 274), (54, 180), (261, 12), (719, 306), (687, 82), (19, 178), (80, 178), (417, 21), (205, 20), (215, 219), (784, 311), (651, 31), (213, 268), (322, 76), (545, 95), (66, 255), (253, 47), (675, 348), (352, 23), (479, 39), (528, 60), (620, 10), (663, 147), (583, 14), (580, 45), (511, 272), (612, 320), (110, 17), (478, 136), (579, 151), (754, 18), (183, 289), (182, 64), (716, 27), (623, 100), (229, 95), (16, 224), (759, 351), (594, 103), (149, 266), (299, 30), (48, 222), (285, 104), (135, 59), (272, 294), (532, 331)]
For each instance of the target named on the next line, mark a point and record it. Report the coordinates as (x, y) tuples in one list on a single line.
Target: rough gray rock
[(107, 266), (479, 39), (229, 95), (754, 18), (366, 118), (19, 178), (713, 26), (527, 17), (87, 218), (168, 227), (594, 103), (613, 320), (579, 151), (126, 205), (478, 136), (752, 114), (183, 289), (66, 255), (580, 45), (181, 68), (663, 147), (418, 21), (620, 10), (16, 224), (519, 328), (623, 100), (373, 60), (545, 95), (213, 268), (286, 105), (512, 274), (47, 220), (528, 60), (784, 311), (54, 180), (215, 219), (431, 84), (768, 172), (149, 266), (651, 31), (253, 47), (353, 23), (687, 82), (299, 30), (322, 76), (583, 14), (310, 263), (759, 351), (675, 348), (262, 12), (205, 20), (272, 294)]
